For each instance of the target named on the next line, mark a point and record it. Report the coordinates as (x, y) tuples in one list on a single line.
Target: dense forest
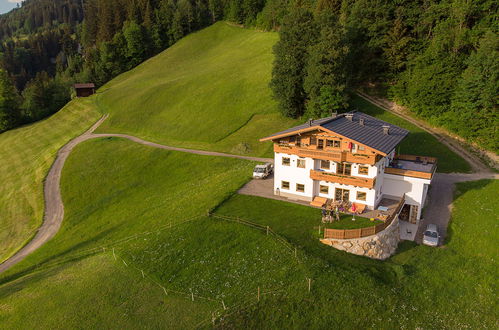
[(439, 58)]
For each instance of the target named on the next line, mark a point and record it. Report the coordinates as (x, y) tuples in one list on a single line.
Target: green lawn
[(140, 202), (418, 142), (26, 155), (452, 287), (208, 91)]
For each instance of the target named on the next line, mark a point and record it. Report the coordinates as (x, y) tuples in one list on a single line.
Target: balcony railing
[(342, 179), (325, 154), (413, 166)]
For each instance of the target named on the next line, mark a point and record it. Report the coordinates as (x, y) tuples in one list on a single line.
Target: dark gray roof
[(371, 134)]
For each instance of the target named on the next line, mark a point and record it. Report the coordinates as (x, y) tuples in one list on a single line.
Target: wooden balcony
[(413, 166), (342, 179), (325, 154)]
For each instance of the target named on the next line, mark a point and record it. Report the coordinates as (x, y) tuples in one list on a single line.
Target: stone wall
[(378, 246)]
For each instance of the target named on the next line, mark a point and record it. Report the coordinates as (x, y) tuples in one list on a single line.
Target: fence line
[(102, 248), (263, 228)]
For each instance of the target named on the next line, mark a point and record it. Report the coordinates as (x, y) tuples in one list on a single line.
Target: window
[(361, 196), (344, 168), (284, 184), (324, 189), (320, 144), (286, 161), (364, 170), (300, 187), (325, 164), (333, 143), (342, 194), (292, 139), (313, 140), (362, 148), (300, 163), (298, 141)]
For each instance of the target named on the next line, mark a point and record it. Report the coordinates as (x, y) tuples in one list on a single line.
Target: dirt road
[(440, 197), (54, 208)]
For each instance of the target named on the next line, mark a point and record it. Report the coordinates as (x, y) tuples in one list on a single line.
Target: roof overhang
[(299, 131), (315, 128)]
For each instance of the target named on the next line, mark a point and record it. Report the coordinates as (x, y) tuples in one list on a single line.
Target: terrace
[(413, 166)]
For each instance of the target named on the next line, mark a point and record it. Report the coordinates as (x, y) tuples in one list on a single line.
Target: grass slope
[(208, 91), (453, 287), (135, 200), (26, 155)]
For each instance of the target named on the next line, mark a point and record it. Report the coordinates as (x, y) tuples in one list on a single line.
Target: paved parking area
[(265, 188)]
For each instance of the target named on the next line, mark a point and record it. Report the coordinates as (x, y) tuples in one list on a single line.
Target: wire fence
[(223, 310)]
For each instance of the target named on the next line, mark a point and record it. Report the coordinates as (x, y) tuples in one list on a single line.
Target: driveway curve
[(54, 207)]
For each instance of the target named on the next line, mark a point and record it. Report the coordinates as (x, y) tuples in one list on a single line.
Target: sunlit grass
[(26, 154)]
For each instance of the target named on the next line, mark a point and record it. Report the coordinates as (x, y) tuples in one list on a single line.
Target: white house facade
[(350, 157)]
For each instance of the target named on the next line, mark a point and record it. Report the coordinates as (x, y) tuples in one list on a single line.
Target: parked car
[(262, 171), (431, 236)]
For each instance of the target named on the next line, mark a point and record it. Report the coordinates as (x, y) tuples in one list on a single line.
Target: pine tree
[(326, 80), (291, 54), (475, 113), (9, 103)]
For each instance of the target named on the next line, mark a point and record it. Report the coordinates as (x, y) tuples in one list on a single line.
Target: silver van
[(431, 236), (262, 171)]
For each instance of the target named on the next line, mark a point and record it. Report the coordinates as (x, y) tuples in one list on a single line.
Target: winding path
[(54, 208), (437, 211)]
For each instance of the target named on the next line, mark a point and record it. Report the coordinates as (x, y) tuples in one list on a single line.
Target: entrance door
[(342, 194)]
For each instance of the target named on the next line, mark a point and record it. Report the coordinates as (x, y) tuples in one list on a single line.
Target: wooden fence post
[(309, 284), (258, 294), (267, 230)]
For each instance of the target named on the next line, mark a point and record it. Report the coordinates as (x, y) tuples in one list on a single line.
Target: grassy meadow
[(26, 155), (452, 287), (115, 203), (208, 91)]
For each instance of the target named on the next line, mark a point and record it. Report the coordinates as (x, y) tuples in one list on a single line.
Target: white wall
[(294, 175), (415, 189)]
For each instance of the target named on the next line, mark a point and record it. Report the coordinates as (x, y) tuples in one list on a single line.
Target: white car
[(262, 171), (431, 236)]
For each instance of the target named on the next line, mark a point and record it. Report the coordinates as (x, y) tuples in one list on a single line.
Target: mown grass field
[(26, 155), (125, 196), (452, 287), (140, 203), (208, 91)]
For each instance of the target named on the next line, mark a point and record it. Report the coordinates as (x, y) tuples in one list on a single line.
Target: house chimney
[(361, 121), (386, 129), (310, 122), (349, 116), (334, 114)]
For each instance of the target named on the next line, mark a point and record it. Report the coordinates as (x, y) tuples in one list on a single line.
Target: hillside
[(208, 91), (137, 248), (27, 153)]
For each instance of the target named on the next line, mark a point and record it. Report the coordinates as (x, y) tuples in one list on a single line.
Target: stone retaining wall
[(378, 246)]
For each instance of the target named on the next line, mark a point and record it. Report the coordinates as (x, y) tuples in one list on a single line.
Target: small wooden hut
[(84, 90)]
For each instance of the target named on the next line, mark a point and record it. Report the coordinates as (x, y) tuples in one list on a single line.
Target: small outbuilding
[(84, 90)]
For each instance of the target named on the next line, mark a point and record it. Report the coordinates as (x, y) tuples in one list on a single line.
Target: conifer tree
[(291, 54), (9, 103), (326, 80)]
